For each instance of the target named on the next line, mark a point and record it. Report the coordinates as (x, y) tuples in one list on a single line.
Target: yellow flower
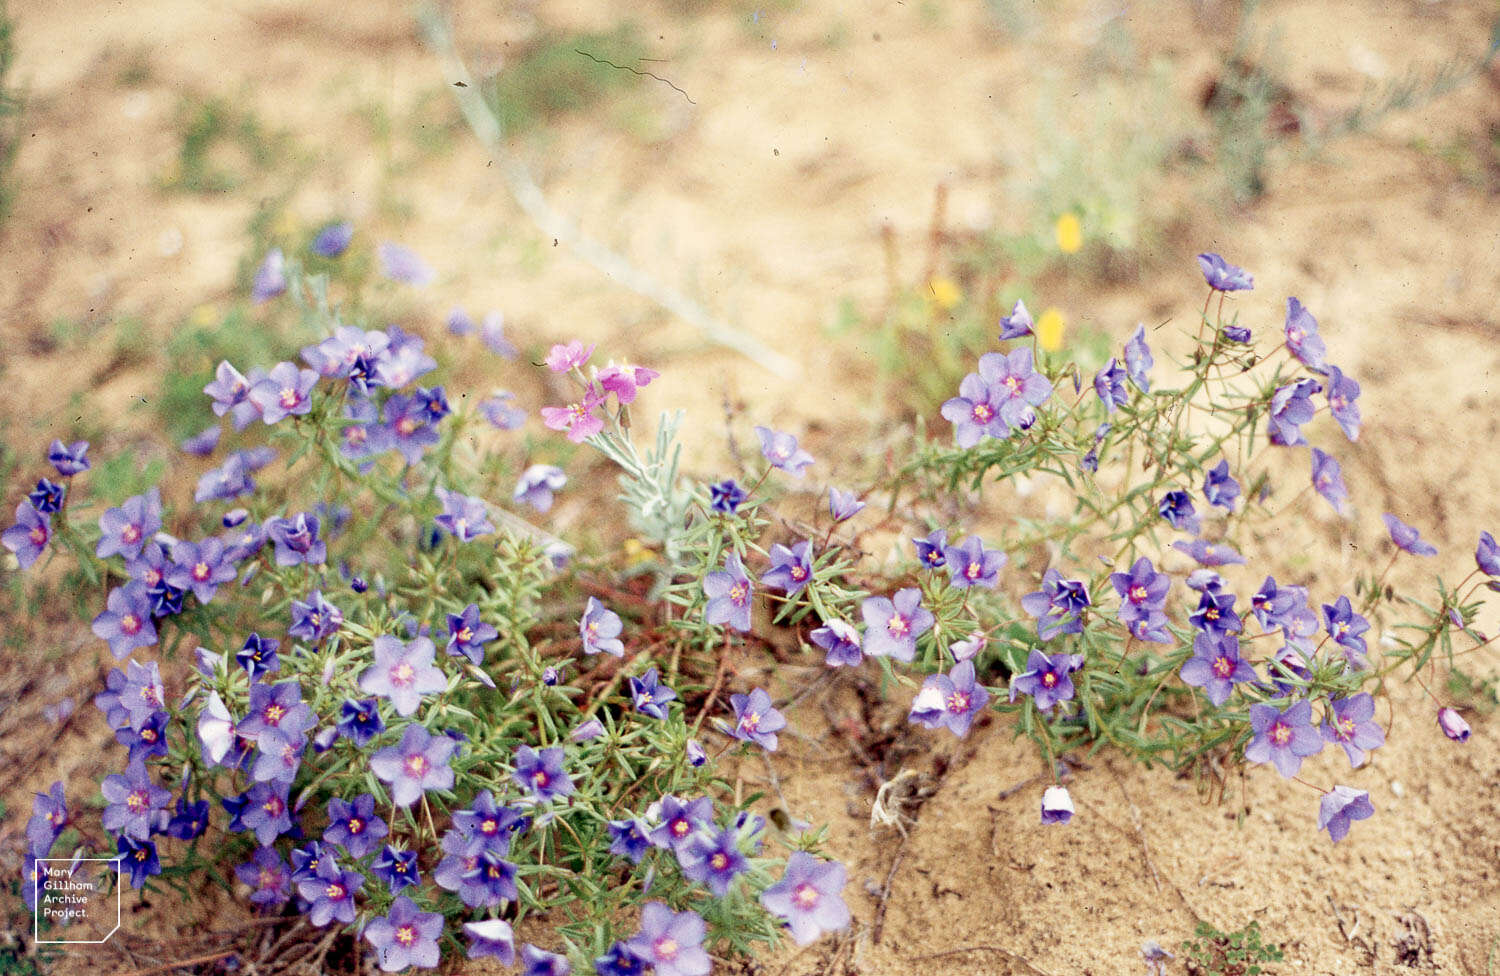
[(1049, 330), (944, 293), (636, 553), (204, 315), (1069, 233)]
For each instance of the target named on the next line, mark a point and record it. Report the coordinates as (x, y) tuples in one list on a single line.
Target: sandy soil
[(810, 128)]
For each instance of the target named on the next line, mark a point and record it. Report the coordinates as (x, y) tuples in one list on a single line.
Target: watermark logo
[(77, 900)]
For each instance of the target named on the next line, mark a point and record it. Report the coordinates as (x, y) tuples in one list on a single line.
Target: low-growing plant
[(562, 757), (1240, 953)]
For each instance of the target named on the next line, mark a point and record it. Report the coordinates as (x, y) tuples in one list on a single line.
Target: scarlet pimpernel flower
[(1351, 725), (672, 942), (464, 517), (1058, 605), (1340, 807), (970, 564), (406, 936), (1223, 276), (1406, 538), (417, 764), (1216, 666), (1283, 737), (1328, 481), (1018, 324), (1046, 679), (403, 673), (542, 772), (782, 451), (1302, 337), (791, 568)]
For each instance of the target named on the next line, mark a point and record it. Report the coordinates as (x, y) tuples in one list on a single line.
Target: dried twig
[(486, 126), (181, 964)]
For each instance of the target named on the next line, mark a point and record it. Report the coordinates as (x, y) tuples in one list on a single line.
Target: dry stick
[(183, 964), (878, 927), (1007, 953), (486, 127)]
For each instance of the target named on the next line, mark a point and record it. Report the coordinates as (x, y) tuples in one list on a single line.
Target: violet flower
[(1216, 666), (360, 721), (650, 695), (714, 860), (1347, 629), (258, 657), (970, 564), (1487, 555), (315, 619), (267, 876), (202, 444), (951, 699), (270, 277), (1342, 392), (1018, 324), (628, 839), (539, 962), (1177, 508), (680, 821), (69, 459), (1453, 725), (1215, 613), (725, 496), (330, 895), (407, 427), (1328, 481), (124, 530), (809, 897), (500, 410), (1283, 737), (200, 567), (1058, 606), (333, 239), (419, 763), (403, 673), (1302, 337), (491, 937), (133, 802), (841, 641), (542, 772), (536, 485), (930, 550), (791, 569), (1138, 359), (1109, 384), (843, 505), (297, 541), (139, 858), (468, 634), (974, 413), (782, 451), (1351, 724), (401, 264), (1142, 590), (1046, 678), (893, 624), (1340, 807), (1407, 538), (729, 593), (1211, 554), (1291, 407), (1223, 276), (1016, 388), (285, 392), (1220, 488), (599, 629), (756, 720), (1057, 805), (355, 826), (672, 942), (463, 516), (405, 937), (126, 621)]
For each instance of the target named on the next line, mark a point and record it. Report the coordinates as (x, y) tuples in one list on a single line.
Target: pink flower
[(578, 419), (565, 357), (623, 381)]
